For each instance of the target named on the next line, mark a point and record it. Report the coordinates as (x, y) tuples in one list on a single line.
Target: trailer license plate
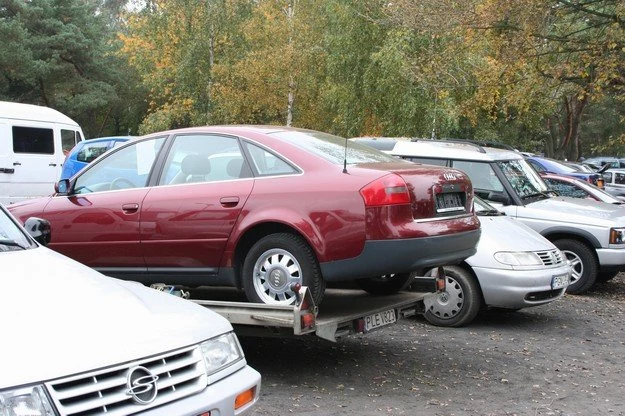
[(558, 282), (379, 319)]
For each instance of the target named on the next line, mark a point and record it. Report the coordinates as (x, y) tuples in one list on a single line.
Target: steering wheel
[(121, 183)]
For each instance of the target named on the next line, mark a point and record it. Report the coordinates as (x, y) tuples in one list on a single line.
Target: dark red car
[(259, 208)]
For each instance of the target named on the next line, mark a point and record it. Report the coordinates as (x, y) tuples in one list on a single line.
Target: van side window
[(33, 140), (69, 138)]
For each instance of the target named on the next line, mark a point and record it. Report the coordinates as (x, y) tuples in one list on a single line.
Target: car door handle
[(130, 208), (7, 170), (52, 164), (229, 201), (17, 164)]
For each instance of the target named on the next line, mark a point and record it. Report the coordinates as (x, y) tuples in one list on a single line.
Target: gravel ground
[(565, 358)]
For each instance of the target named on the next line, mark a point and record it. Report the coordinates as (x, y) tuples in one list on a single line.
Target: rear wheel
[(274, 264), (583, 262), (386, 284), (459, 303)]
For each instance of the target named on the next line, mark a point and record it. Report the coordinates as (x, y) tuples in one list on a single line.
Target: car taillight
[(388, 190)]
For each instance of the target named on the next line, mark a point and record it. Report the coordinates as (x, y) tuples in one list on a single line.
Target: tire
[(584, 263), (286, 258), (386, 284), (606, 276), (459, 304)]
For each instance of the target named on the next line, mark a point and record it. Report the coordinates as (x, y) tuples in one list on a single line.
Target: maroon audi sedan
[(259, 208)]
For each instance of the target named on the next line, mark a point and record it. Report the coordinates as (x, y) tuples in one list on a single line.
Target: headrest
[(195, 165)]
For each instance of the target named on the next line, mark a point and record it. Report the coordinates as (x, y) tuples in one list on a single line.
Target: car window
[(524, 180), (204, 158), (536, 166), (565, 189), (607, 177), (481, 174), (128, 167), (90, 152), (267, 163), (428, 161), (11, 233), (332, 148), (69, 139), (619, 178), (33, 140)]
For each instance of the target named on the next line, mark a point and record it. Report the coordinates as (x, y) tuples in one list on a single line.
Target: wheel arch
[(255, 233), (466, 267), (583, 236)]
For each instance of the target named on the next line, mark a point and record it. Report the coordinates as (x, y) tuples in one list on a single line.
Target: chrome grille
[(551, 257), (180, 373)]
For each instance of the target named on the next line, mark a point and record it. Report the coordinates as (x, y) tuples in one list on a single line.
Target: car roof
[(232, 129), (453, 149)]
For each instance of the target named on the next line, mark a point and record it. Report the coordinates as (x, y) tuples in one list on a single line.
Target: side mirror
[(62, 187), (39, 229), (499, 197)]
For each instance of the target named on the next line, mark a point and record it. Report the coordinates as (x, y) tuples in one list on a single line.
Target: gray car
[(514, 268), (614, 181), (591, 234)]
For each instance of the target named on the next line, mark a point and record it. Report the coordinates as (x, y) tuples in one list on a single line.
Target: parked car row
[(589, 233)]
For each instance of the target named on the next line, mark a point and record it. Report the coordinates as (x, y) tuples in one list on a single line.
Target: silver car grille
[(180, 373), (551, 257)]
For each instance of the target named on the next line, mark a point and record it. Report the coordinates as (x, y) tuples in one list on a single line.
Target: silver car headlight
[(32, 401), (518, 258), (221, 352), (617, 235)]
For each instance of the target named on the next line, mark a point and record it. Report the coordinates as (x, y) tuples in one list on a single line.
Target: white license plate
[(379, 319), (558, 282)]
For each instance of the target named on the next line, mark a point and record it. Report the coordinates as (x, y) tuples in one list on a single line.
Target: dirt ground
[(564, 358)]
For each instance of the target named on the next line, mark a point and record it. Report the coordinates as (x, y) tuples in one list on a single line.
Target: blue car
[(545, 165), (86, 151)]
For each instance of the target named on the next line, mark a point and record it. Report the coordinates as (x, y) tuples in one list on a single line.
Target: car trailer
[(343, 312)]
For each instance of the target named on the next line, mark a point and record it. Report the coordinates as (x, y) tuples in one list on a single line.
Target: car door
[(98, 223), (186, 220)]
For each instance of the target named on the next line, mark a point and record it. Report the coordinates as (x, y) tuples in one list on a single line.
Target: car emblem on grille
[(141, 385), (449, 176)]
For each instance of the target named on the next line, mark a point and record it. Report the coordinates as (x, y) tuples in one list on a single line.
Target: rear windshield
[(332, 148)]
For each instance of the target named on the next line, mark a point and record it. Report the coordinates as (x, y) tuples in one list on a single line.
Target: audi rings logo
[(141, 385)]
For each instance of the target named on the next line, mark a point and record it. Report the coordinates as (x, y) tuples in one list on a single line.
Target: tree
[(56, 53)]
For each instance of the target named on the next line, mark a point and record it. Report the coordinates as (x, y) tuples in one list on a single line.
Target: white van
[(33, 143)]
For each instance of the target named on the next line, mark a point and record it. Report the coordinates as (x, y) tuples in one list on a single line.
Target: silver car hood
[(569, 210), (501, 233), (61, 318)]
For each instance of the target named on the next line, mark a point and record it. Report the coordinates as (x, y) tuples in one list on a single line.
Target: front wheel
[(386, 284), (274, 264), (459, 303), (583, 262)]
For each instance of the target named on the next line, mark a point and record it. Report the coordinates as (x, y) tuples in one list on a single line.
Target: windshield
[(332, 148), (523, 178), (11, 235)]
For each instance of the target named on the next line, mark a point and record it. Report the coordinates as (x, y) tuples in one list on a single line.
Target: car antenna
[(345, 158)]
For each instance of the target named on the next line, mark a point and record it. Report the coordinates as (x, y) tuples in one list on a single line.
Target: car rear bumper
[(403, 255), (218, 398), (516, 289)]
